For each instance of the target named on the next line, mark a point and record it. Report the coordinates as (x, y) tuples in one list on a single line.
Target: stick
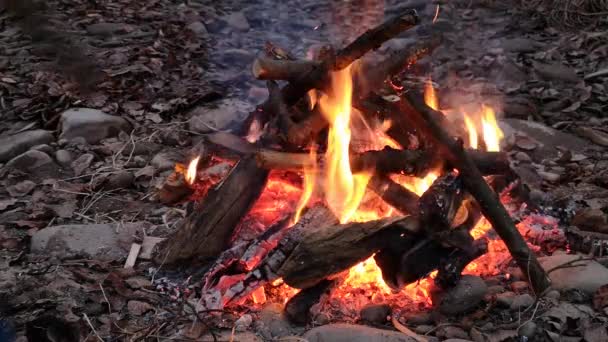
[(431, 121), (394, 194), (265, 68)]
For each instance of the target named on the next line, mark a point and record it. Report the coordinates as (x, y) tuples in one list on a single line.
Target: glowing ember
[(259, 295), (190, 175), (430, 97), (492, 134)]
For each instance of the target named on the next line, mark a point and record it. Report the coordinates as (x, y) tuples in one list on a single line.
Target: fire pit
[(345, 189)]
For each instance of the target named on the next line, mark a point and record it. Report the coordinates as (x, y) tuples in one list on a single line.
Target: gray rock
[(91, 124), (16, 144), (198, 28), (586, 276), (166, 160), (43, 148), (106, 29), (452, 332), (466, 295), (273, 318), (527, 330), (505, 299), (35, 163), (375, 313), (519, 286), (354, 333), (243, 323), (120, 180), (82, 163), (521, 302), (545, 137), (423, 329), (207, 120), (63, 157), (520, 45), (101, 241), (237, 20)]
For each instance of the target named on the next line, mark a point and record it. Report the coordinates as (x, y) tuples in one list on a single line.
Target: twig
[(106, 298), (570, 264), (86, 318)]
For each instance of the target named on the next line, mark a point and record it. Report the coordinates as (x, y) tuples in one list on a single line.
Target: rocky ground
[(94, 118)]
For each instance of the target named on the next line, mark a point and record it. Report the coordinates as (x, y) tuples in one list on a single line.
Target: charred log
[(298, 307), (394, 194), (206, 232), (265, 68), (431, 121)]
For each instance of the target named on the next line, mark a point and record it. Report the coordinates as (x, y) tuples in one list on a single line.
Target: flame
[(492, 134), (312, 99), (471, 130), (309, 186), (255, 131), (343, 189), (430, 97), (190, 175)]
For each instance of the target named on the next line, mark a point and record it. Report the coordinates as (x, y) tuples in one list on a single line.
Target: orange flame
[(343, 190), (471, 130), (309, 186), (430, 97), (192, 170), (492, 134), (259, 295)]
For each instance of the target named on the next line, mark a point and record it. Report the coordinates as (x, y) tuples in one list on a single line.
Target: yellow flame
[(430, 97), (472, 130), (312, 99), (309, 186), (492, 134), (343, 189), (192, 169)]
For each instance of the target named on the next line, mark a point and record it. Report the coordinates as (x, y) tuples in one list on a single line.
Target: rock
[(375, 313), (106, 29), (505, 299), (466, 295), (519, 286), (522, 157), (120, 180), (527, 330), (546, 138), (237, 20), (16, 144), (82, 163), (556, 72), (521, 302), (21, 189), (423, 329), (273, 318), (243, 323), (452, 332), (138, 308), (91, 124), (549, 176), (321, 318), (63, 157), (421, 318), (520, 45), (166, 160), (138, 283), (102, 241), (198, 28), (586, 276), (206, 120), (495, 289), (35, 163), (597, 137), (354, 333), (553, 294), (43, 148)]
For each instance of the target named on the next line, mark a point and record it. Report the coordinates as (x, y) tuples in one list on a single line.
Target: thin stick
[(86, 318), (432, 122)]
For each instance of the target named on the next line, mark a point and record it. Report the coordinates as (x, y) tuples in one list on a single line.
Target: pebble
[(63, 157), (16, 144), (521, 302), (44, 148), (91, 124), (527, 330), (505, 299), (375, 313), (273, 318), (519, 286), (452, 332), (423, 329), (243, 323), (198, 28), (466, 295), (120, 180), (82, 163), (35, 163)]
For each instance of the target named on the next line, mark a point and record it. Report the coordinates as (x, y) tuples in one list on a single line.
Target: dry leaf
[(594, 135)]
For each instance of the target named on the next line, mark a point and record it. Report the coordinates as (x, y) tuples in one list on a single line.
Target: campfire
[(347, 187)]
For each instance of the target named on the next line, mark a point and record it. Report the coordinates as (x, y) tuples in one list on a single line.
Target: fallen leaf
[(21, 189), (594, 135), (5, 203), (8, 80)]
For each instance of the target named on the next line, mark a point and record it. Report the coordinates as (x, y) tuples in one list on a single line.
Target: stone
[(519, 286), (101, 241), (423, 329), (520, 45), (106, 29), (120, 180), (273, 318), (138, 283), (375, 313), (452, 332), (16, 144), (505, 299), (63, 157), (553, 294), (463, 297), (43, 148), (82, 163), (166, 160), (343, 332), (521, 302), (91, 124), (138, 308), (495, 289), (208, 120), (546, 138), (237, 20), (243, 323), (586, 276), (556, 72), (198, 28), (35, 163), (527, 330)]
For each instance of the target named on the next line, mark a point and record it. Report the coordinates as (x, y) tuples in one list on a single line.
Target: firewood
[(175, 189), (431, 121), (297, 309), (394, 194), (206, 232), (266, 68), (450, 269)]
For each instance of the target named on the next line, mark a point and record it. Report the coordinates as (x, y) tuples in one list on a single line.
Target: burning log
[(206, 232), (431, 121), (266, 68), (175, 189), (394, 194)]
